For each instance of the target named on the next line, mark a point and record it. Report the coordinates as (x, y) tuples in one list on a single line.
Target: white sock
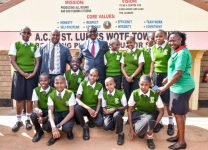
[(19, 118), (170, 120), (149, 136), (28, 116)]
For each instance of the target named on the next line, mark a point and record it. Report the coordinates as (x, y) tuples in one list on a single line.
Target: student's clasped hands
[(92, 112)]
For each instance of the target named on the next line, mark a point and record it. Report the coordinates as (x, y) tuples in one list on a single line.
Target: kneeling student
[(145, 111), (61, 110), (114, 104), (40, 107)]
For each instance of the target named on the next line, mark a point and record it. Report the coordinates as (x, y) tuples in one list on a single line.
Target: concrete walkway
[(196, 136)]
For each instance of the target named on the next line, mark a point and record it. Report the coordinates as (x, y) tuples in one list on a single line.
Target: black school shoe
[(120, 140), (178, 146), (150, 144), (17, 125), (37, 136), (158, 127), (51, 141), (170, 130), (70, 135), (91, 124), (28, 125), (86, 132)]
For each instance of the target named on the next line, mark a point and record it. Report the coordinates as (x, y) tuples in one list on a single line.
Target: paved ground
[(196, 135)]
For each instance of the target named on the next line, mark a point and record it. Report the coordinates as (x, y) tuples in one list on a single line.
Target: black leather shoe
[(91, 124), (157, 128), (120, 140), (173, 139), (141, 136), (178, 146), (28, 125), (86, 133), (70, 135), (150, 144), (170, 130), (51, 141), (37, 136), (16, 127)]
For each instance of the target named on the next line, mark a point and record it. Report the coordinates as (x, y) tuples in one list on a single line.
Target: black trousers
[(80, 112), (130, 86), (46, 124), (143, 122), (114, 121)]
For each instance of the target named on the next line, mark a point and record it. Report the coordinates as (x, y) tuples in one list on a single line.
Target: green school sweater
[(161, 58), (25, 56), (43, 97), (61, 104), (89, 95), (147, 59), (74, 80), (131, 62), (113, 101), (145, 104), (113, 66)]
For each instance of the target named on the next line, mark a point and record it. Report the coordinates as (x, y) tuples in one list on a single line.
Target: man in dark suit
[(93, 50), (54, 57)]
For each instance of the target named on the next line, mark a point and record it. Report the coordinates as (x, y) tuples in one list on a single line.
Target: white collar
[(62, 93), (141, 93), (77, 72), (88, 84), (47, 90), (28, 42), (163, 45), (113, 52), (95, 41), (112, 93), (133, 50)]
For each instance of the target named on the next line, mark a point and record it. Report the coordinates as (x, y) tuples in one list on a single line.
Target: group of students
[(73, 96)]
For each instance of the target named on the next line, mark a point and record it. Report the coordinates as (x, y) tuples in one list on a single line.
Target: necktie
[(52, 58), (44, 92), (90, 87), (25, 44), (74, 74), (93, 48), (59, 95), (110, 95)]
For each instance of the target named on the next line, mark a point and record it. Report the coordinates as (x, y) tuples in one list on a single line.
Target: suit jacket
[(94, 62), (65, 57)]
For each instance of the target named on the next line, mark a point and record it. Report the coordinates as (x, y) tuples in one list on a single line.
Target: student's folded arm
[(105, 110), (14, 64), (98, 105), (138, 70), (69, 115), (78, 99), (130, 110), (122, 108), (123, 70), (51, 116), (151, 69), (37, 61)]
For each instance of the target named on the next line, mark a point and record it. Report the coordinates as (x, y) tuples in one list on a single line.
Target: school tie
[(25, 44), (74, 74), (93, 48), (52, 58), (44, 92), (90, 87), (59, 95), (110, 95)]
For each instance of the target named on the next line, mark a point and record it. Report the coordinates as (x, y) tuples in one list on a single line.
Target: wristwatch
[(58, 126)]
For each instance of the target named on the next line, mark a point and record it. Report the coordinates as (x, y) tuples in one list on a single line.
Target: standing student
[(145, 111), (89, 95), (181, 85), (147, 53), (24, 58), (40, 107), (114, 104), (61, 110), (112, 62), (74, 76), (92, 51), (54, 57), (160, 54), (131, 66)]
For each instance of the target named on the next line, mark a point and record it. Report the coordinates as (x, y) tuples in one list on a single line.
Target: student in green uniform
[(160, 54), (89, 95), (112, 62), (114, 104), (74, 76), (144, 105), (181, 84), (25, 60), (147, 53), (61, 110), (131, 66), (40, 107)]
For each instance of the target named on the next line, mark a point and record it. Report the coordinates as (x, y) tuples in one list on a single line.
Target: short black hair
[(145, 78)]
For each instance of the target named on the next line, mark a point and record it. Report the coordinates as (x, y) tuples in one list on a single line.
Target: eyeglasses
[(28, 33)]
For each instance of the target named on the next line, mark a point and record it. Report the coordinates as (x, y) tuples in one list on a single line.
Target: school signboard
[(117, 18)]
